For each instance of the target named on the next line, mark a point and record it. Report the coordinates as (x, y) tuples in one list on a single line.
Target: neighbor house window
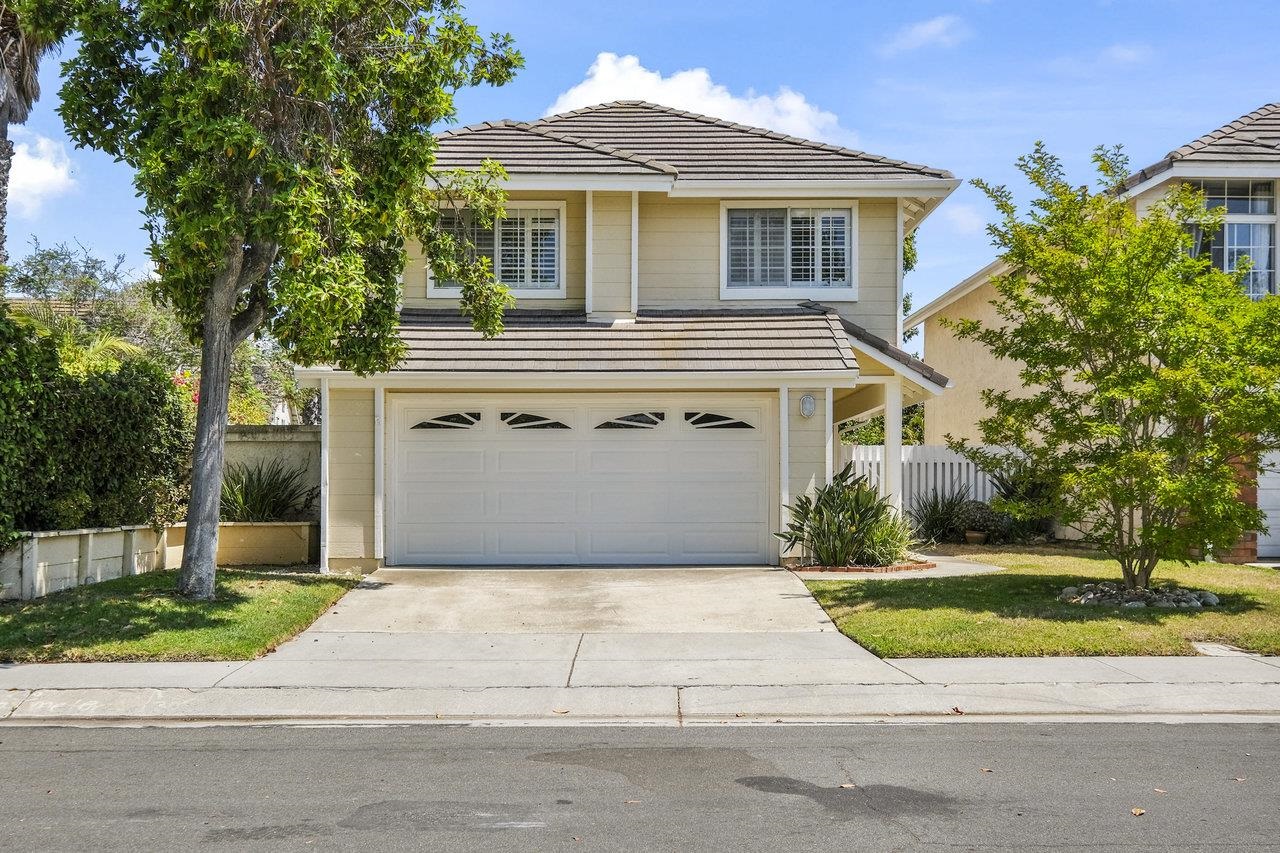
[(800, 247), (1248, 231), (524, 246)]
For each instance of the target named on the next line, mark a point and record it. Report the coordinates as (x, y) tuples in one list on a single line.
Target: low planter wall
[(49, 561)]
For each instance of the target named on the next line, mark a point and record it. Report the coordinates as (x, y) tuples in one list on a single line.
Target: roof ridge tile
[(754, 131)]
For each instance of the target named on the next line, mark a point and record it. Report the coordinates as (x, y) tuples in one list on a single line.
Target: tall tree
[(1151, 382), (284, 151), (20, 51)]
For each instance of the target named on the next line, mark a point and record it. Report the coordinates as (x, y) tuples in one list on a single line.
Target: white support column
[(590, 251), (379, 471), (784, 453), (832, 437), (892, 479), (324, 476), (635, 251)]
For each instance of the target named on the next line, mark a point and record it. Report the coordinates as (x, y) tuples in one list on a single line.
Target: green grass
[(142, 618), (1015, 613)]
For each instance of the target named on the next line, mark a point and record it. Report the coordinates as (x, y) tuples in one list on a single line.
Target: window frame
[(440, 291), (1272, 219), (837, 293)]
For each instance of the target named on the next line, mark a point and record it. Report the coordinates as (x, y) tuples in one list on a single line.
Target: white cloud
[(1127, 54), (942, 31), (963, 219), (1112, 56), (612, 77), (41, 171)]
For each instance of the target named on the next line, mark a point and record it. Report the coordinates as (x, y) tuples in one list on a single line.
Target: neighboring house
[(700, 303), (1237, 166)]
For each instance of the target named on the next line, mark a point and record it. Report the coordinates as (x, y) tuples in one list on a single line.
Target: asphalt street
[(957, 786)]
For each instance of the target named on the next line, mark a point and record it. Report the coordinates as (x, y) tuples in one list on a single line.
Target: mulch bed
[(871, 570)]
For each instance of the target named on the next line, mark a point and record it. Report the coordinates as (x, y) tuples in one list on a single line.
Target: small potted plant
[(978, 521)]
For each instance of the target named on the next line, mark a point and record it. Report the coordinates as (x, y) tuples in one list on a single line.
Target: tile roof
[(1254, 137), (894, 353), (787, 339), (626, 135)]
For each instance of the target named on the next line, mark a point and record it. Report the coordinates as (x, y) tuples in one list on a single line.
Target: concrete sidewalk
[(658, 646), (660, 693)]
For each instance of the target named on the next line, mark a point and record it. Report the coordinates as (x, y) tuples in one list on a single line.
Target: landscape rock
[(1108, 593)]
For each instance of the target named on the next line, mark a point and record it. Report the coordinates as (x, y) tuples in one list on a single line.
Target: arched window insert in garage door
[(454, 420), (710, 420), (638, 420), (525, 420)]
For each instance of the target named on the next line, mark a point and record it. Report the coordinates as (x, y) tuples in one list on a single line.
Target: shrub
[(267, 491), (844, 523), (1027, 496), (981, 517), (937, 514), (888, 541), (86, 449)]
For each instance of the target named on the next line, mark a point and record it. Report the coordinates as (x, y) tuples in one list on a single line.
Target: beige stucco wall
[(970, 366), (575, 231), (350, 535), (296, 446)]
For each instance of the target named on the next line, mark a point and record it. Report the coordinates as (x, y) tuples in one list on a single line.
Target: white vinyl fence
[(925, 467)]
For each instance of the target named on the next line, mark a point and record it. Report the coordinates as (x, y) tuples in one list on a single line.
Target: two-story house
[(1238, 168), (699, 305)]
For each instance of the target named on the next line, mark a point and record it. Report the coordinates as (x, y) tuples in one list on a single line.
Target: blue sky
[(966, 86)]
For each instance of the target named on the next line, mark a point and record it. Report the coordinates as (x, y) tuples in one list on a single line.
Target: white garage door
[(1269, 502), (579, 479)]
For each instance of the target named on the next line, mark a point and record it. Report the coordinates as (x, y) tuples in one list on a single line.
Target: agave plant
[(845, 523), (937, 514), (267, 491)]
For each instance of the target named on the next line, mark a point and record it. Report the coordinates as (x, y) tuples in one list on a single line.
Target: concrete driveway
[(480, 628)]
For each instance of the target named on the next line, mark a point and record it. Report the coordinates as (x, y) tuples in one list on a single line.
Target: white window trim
[(1272, 219), (824, 294), (558, 292)]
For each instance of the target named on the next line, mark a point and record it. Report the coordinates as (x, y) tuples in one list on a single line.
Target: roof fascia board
[(595, 380), (896, 366), (959, 291), (1205, 169), (557, 181), (921, 188)]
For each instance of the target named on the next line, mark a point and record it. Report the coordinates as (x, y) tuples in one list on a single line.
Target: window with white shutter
[(788, 247), (525, 247)]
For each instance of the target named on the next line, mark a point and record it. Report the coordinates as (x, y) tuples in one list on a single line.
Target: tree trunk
[(199, 554), (6, 164)]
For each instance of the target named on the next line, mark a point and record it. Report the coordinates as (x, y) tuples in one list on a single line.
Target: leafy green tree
[(21, 49), (284, 151), (1151, 382), (871, 431)]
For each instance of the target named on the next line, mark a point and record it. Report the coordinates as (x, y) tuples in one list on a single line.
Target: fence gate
[(925, 467)]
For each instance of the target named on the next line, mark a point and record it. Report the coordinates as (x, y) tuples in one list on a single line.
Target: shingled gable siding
[(680, 260), (351, 479), (575, 229), (611, 244)]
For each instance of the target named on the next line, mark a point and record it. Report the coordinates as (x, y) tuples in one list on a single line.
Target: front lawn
[(1015, 613), (142, 618)]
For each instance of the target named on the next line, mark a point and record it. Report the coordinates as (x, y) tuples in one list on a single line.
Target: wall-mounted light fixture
[(808, 406)]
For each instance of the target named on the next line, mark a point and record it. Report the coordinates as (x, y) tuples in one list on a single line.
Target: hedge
[(102, 450)]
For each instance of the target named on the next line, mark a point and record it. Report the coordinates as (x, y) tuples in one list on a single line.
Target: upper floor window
[(782, 248), (1249, 231), (525, 246)]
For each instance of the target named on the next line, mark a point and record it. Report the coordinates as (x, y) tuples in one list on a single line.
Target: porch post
[(891, 481)]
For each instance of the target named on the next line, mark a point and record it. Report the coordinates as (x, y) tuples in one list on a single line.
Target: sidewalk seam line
[(18, 704), (568, 682), (915, 678), (679, 707), (230, 673), (1141, 680)]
